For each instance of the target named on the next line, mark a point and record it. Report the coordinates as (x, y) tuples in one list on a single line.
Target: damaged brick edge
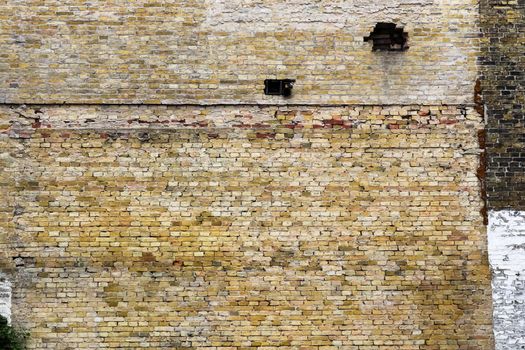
[(22, 121), (481, 172)]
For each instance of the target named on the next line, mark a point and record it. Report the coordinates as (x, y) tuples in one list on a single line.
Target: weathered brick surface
[(5, 297), (503, 85), (246, 227), (503, 70), (506, 234), (349, 219), (220, 51)]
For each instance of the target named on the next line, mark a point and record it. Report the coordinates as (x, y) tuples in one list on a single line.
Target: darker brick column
[(503, 82)]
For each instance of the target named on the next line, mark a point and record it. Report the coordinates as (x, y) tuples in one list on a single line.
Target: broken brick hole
[(388, 37)]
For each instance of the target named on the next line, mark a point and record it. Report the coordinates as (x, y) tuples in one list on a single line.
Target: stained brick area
[(503, 70), (228, 227)]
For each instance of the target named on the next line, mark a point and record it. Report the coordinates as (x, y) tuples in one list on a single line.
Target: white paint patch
[(506, 235), (5, 297)]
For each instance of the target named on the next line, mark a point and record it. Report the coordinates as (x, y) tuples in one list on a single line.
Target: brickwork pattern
[(245, 227), (218, 51), (503, 70)]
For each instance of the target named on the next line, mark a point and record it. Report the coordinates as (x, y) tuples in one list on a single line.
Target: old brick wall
[(503, 85), (217, 51), (503, 71), (152, 197), (247, 227)]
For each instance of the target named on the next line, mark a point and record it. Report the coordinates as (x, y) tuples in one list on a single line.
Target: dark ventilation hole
[(388, 37), (282, 87)]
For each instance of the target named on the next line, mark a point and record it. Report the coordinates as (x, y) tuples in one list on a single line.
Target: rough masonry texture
[(503, 90), (217, 51), (503, 69), (221, 227), (152, 196)]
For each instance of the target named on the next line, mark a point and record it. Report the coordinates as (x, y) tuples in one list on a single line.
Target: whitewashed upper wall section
[(220, 51)]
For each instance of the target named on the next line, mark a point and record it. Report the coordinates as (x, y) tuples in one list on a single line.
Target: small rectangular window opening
[(279, 87)]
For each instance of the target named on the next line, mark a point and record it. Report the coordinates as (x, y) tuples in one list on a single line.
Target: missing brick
[(388, 37)]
